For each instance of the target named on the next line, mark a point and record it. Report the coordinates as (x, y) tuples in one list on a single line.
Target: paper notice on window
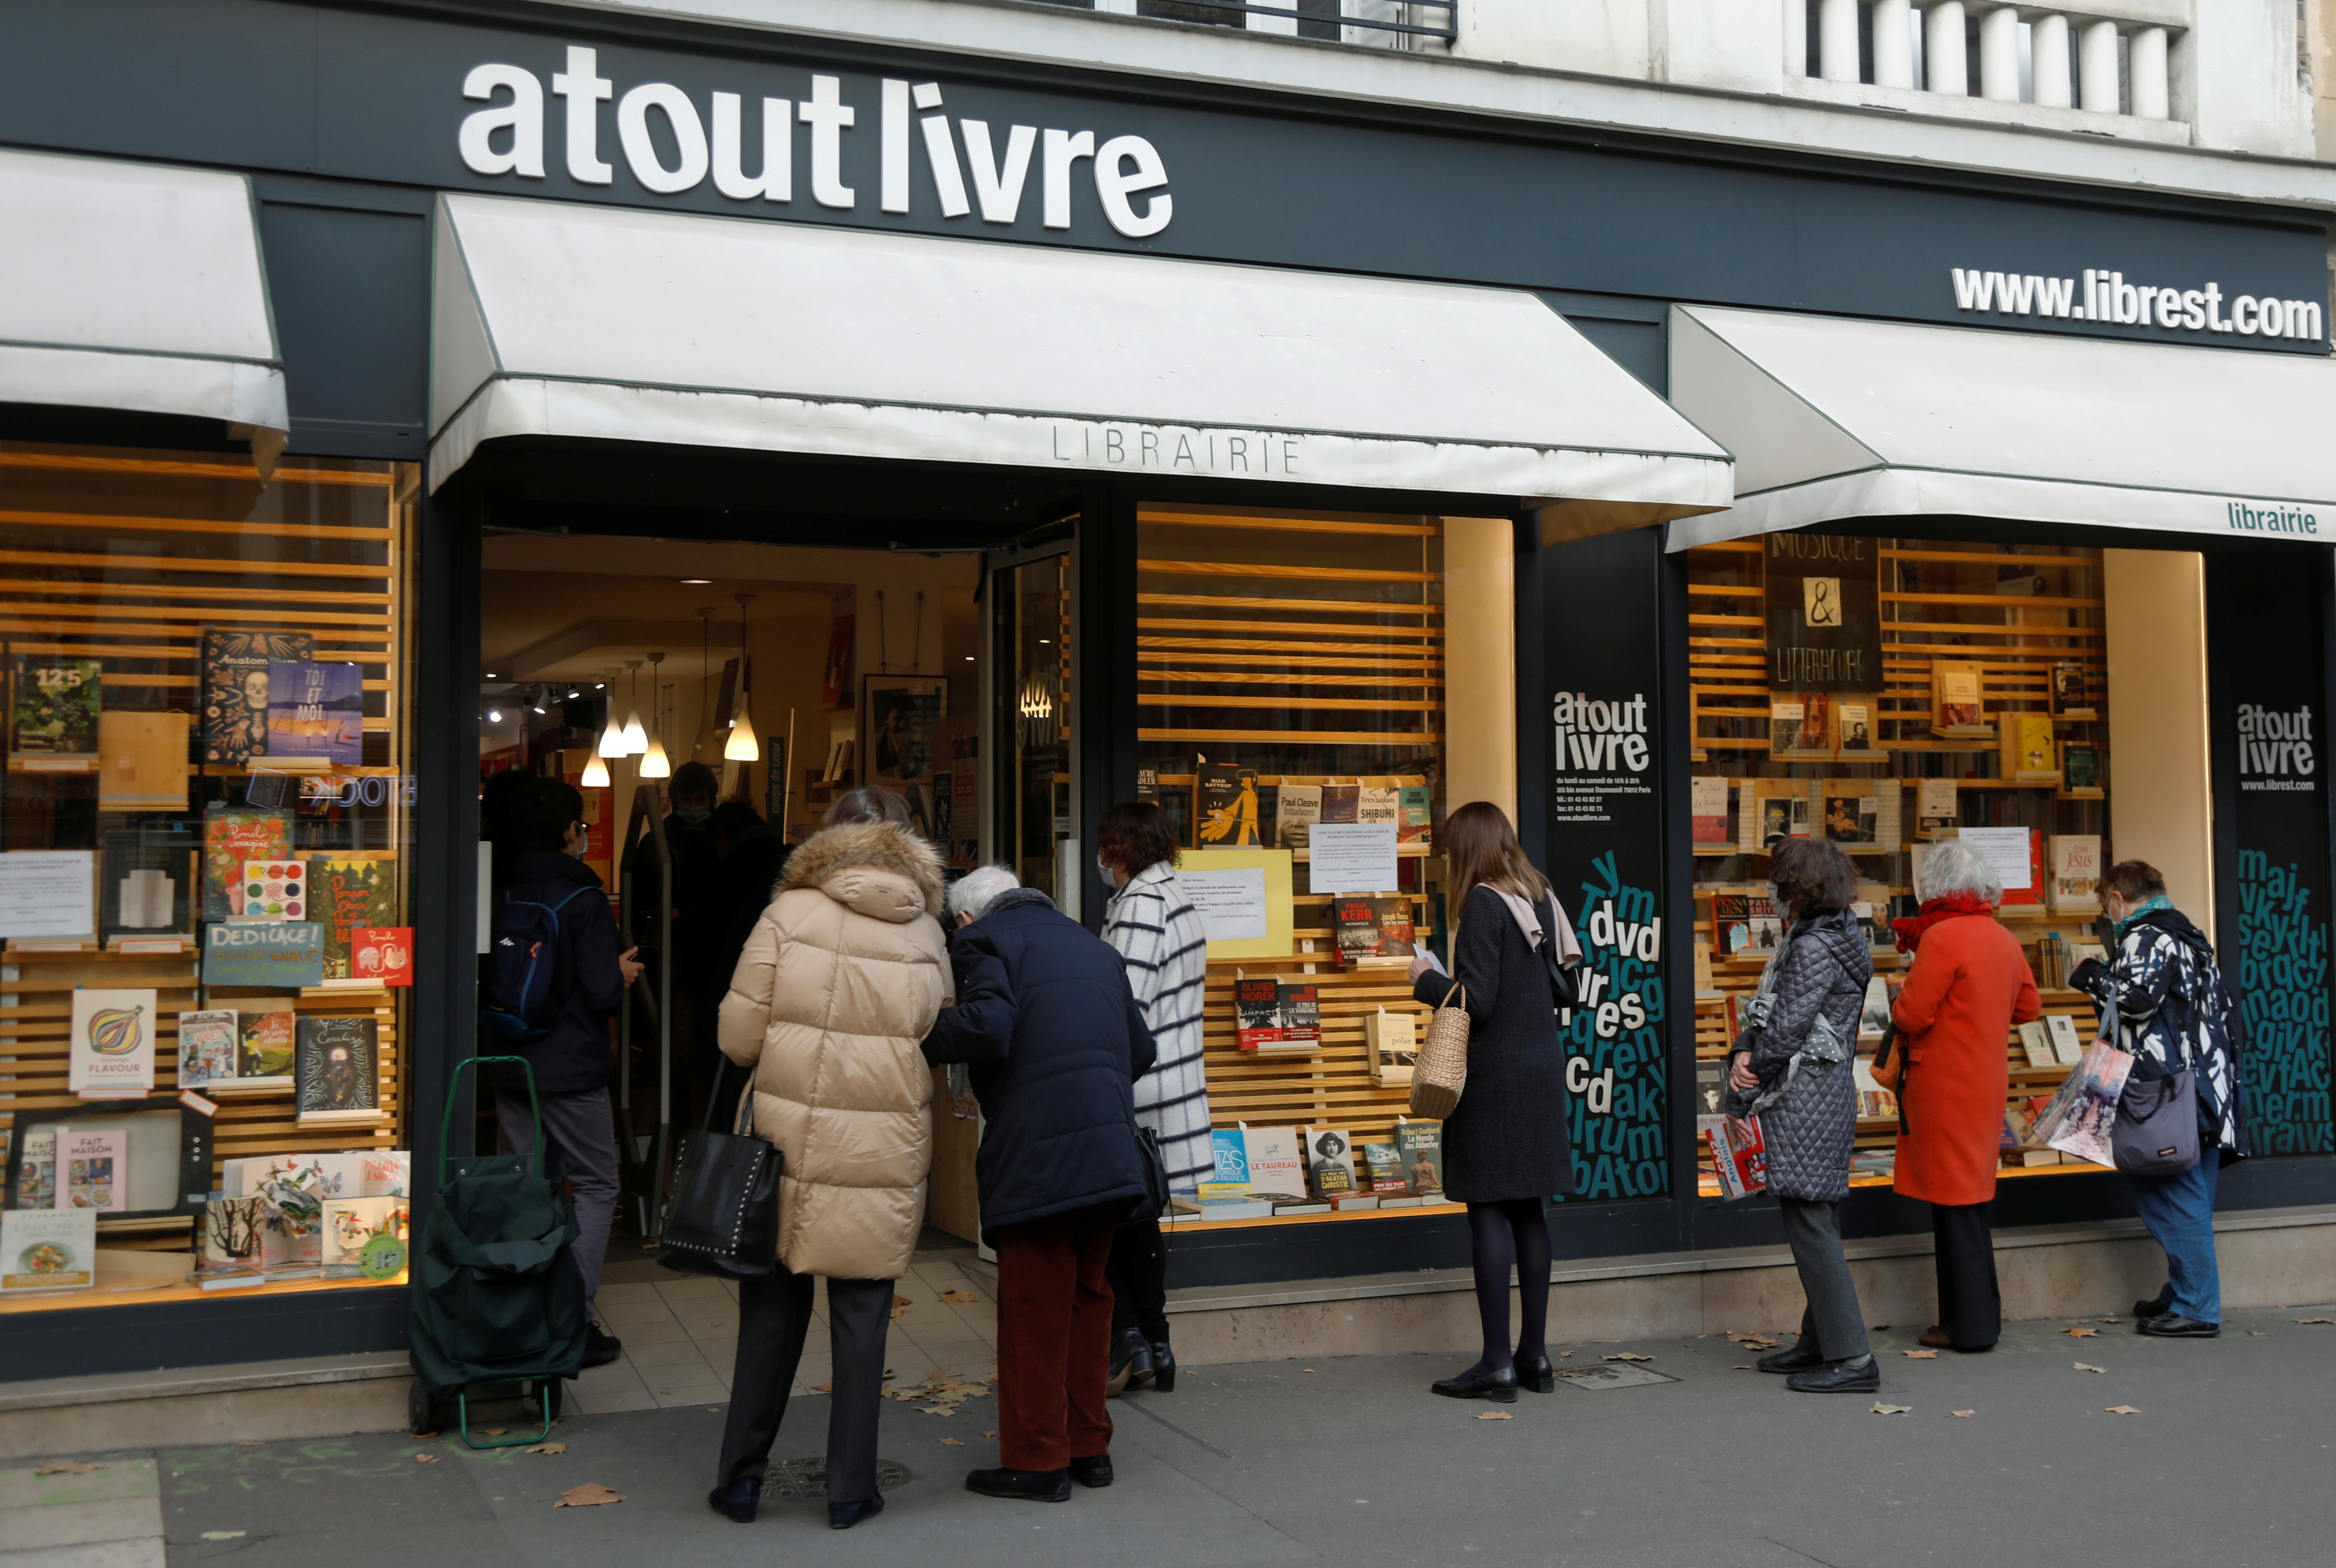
[(1230, 903), (48, 893), (1351, 858), (2005, 849)]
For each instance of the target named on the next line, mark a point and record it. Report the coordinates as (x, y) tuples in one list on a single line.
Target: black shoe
[(1093, 1471), (2174, 1326), (1500, 1387), (1537, 1375), (600, 1348), (2155, 1307), (739, 1499), (844, 1515), (1131, 1361), (1164, 1366), (1863, 1376), (1799, 1359), (1029, 1485)]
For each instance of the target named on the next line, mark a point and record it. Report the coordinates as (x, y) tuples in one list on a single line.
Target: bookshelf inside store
[(1886, 694), (207, 831), (1290, 673)]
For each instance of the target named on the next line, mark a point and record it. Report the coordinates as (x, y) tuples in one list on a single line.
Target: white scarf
[(1528, 919)]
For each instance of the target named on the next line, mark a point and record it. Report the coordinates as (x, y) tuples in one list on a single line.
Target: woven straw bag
[(1441, 1071)]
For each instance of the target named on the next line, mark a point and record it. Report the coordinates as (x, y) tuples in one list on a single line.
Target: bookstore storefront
[(1313, 471)]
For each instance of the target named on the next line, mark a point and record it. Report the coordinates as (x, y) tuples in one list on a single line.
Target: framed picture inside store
[(900, 726)]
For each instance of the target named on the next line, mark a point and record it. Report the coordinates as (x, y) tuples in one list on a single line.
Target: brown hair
[(2133, 880), (1813, 876), (874, 803), (1136, 835), (1480, 847)]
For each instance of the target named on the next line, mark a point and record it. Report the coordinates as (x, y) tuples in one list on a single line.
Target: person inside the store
[(1506, 1148), (571, 1062), (754, 858), (2162, 999), (1793, 1065), (1160, 938), (1047, 1025), (1968, 986), (694, 919), (839, 983)]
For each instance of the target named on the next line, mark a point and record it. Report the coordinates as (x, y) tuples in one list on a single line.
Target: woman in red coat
[(1969, 984)]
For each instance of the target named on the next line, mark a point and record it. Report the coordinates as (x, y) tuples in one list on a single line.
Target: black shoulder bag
[(722, 1219), (1564, 978), (1148, 1207)]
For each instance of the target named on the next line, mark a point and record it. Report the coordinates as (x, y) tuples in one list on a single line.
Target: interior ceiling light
[(695, 581), (495, 716), (654, 762), (596, 773), (636, 738), (612, 734), (743, 744)]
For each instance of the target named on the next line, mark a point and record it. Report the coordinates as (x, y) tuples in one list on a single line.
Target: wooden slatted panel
[(1331, 1088)]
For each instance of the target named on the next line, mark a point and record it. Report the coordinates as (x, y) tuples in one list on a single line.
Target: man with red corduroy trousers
[(1055, 1042)]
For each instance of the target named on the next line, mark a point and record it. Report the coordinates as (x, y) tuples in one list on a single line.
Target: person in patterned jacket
[(1793, 1067), (2173, 1013), (1159, 936)]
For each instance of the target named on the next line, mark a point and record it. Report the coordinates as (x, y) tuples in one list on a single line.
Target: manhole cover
[(805, 1480), (1616, 1375)]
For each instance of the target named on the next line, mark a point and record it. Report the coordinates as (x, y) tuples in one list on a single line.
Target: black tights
[(1502, 1236)]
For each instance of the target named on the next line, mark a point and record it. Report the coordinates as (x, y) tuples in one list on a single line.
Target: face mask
[(1104, 868), (693, 815)]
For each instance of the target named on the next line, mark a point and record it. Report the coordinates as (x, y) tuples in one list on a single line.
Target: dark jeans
[(1053, 1340), (2180, 1213), (1138, 1273), (583, 1149), (1971, 1308), (773, 1313), (1833, 1319)]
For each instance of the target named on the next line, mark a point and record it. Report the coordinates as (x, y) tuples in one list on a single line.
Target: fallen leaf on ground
[(1496, 1416), (1966, 1414), (253, 1443), (951, 1442), (1307, 1369), (900, 1304), (823, 1388), (590, 1495), (1743, 1369), (2316, 1319), (1878, 1328), (1626, 1356), (1920, 1355), (1882, 1409), (549, 1448), (493, 1431), (2087, 1366), (2112, 1319), (434, 1432), (63, 1467), (425, 1458), (1756, 1342), (1562, 1355), (989, 1434), (2081, 1333), (224, 1534), (959, 1298), (2122, 1409)]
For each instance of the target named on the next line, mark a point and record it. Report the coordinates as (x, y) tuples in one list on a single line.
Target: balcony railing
[(2052, 58), (1408, 25)]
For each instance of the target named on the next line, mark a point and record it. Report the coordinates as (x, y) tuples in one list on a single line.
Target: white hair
[(1950, 868), (972, 893)]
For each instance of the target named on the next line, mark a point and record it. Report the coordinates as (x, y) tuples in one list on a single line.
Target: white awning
[(555, 319), (1832, 419), (127, 286)]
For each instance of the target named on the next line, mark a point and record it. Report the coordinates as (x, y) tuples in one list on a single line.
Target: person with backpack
[(554, 977)]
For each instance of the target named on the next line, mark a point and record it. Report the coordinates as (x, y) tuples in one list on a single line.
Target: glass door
[(1037, 817)]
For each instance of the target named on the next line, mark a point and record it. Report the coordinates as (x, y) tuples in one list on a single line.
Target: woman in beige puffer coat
[(835, 992)]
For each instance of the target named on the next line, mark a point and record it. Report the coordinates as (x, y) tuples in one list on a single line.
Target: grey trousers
[(583, 1138), (774, 1314), (1832, 1318)]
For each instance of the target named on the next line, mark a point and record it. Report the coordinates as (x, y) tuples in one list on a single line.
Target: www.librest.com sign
[(2106, 296)]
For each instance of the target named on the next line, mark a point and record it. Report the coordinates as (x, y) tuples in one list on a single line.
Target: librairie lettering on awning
[(670, 148)]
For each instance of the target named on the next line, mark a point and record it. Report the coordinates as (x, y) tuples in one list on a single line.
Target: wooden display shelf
[(1182, 1223), (135, 1290)]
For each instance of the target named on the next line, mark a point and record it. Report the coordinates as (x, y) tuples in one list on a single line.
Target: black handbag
[(1155, 1199), (722, 1218), (2156, 1133)]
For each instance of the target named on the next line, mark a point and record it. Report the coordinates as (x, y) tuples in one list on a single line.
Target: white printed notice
[(1351, 858), (1230, 903), (2005, 849), (48, 893)]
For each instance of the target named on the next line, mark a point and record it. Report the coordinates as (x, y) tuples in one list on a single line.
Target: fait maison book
[(336, 1070), (1708, 824), (56, 718), (347, 894), (1225, 810), (2075, 872), (36, 1178), (1330, 1163), (236, 665), (94, 1171), (111, 1044), (207, 1047), (315, 713), (1418, 808), (234, 836), (1296, 809), (1277, 1172), (1420, 1147), (48, 1250)]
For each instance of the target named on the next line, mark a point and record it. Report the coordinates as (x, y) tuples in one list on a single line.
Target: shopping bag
[(2082, 1113)]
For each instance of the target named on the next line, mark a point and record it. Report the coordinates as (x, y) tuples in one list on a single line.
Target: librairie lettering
[(653, 118), (2105, 296)]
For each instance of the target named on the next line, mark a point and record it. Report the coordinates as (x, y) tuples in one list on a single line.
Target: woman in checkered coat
[(1159, 936)]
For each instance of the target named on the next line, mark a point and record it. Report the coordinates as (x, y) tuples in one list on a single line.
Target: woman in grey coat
[(1795, 1067)]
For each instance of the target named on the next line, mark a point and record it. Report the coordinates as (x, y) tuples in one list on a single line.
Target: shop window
[(205, 891), (1887, 694)]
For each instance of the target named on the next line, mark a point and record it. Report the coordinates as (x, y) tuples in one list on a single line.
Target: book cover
[(1745, 923), (1957, 696), (1277, 1172), (275, 890), (1391, 1042), (1228, 1148), (385, 955), (1856, 727), (1382, 1168), (1378, 803), (347, 1226), (1816, 721), (2029, 748), (1874, 1013), (1711, 1086), (2036, 1045), (1257, 1013), (232, 837), (1418, 808), (230, 1255), (1936, 811), (2075, 872), (336, 1065), (1357, 922), (348, 892), (294, 1189), (2083, 771), (1330, 1163), (2031, 897), (1225, 804), (1420, 1146), (1738, 1156), (113, 1044), (1849, 819), (1296, 809), (58, 701), (1342, 802), (1784, 719), (48, 1250), (2077, 1118), (384, 1173), (2068, 1050), (281, 955), (2072, 691), (207, 1047), (1708, 813), (1398, 935), (146, 884), (94, 1171), (1302, 1014), (315, 713), (37, 1168), (265, 1043), (236, 665), (1873, 1099)]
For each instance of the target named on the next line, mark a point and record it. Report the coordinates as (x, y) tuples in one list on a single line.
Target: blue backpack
[(518, 1002)]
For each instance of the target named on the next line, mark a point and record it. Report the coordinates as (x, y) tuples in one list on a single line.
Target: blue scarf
[(2149, 905)]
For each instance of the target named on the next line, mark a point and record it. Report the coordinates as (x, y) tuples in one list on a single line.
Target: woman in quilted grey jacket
[(1793, 1067)]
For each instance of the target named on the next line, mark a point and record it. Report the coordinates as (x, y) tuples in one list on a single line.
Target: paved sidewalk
[(2228, 1461)]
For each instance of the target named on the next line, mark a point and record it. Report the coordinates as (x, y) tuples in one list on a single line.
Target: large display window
[(207, 825)]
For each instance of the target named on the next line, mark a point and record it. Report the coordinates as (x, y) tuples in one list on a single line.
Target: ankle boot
[(1027, 1485), (1164, 1366), (1131, 1361), (738, 1500)]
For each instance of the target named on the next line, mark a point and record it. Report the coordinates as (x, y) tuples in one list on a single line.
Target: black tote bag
[(722, 1218)]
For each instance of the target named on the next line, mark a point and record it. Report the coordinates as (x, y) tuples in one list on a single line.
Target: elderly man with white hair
[(1046, 1023), (1969, 984)]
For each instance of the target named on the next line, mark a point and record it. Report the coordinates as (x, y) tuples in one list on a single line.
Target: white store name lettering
[(1173, 449), (2275, 744), (2106, 296), (1599, 737), (507, 137)]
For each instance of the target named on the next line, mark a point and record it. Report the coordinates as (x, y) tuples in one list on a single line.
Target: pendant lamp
[(612, 734), (637, 739), (596, 773), (654, 762), (743, 745)]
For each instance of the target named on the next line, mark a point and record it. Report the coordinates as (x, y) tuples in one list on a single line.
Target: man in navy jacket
[(1053, 1041)]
